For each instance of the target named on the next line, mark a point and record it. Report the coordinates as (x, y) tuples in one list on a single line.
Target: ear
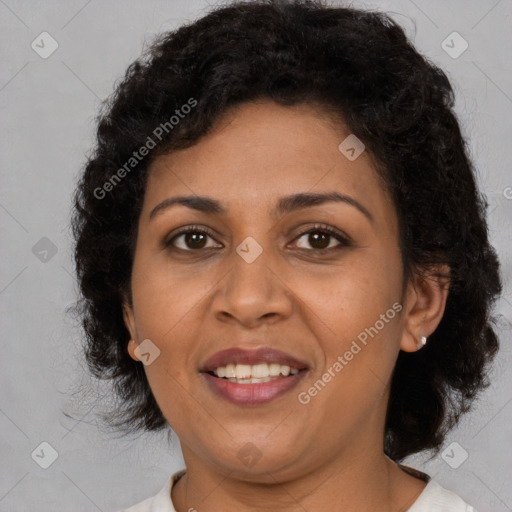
[(425, 304), (129, 322)]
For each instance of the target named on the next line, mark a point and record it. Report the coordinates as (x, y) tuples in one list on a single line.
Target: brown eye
[(320, 238), (192, 239)]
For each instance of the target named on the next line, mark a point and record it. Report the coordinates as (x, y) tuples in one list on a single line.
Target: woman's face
[(266, 279)]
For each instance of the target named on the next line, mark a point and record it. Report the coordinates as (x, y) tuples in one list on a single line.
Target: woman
[(283, 256)]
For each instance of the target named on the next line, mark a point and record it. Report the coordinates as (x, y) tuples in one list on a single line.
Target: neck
[(357, 482)]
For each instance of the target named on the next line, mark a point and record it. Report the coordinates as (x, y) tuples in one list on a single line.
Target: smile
[(254, 374), (252, 377)]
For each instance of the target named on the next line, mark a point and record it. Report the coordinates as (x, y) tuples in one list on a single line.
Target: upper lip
[(251, 356)]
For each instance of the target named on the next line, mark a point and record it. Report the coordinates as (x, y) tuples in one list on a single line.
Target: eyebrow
[(285, 204)]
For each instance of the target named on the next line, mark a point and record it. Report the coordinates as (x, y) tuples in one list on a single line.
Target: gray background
[(47, 122)]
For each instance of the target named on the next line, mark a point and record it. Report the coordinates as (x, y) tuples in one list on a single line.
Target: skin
[(297, 296)]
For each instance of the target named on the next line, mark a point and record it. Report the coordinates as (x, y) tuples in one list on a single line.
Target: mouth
[(252, 377)]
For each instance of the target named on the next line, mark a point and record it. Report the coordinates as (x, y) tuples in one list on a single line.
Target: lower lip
[(252, 394)]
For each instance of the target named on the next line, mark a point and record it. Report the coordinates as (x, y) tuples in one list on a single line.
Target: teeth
[(246, 373), (260, 370), (243, 371), (252, 380), (275, 369), (230, 371), (264, 379)]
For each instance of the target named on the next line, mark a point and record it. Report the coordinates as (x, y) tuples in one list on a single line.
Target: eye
[(193, 238), (320, 236)]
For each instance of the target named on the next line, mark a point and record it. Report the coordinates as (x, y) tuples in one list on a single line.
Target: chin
[(264, 465)]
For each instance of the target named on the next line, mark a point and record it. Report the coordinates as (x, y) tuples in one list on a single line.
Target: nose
[(253, 293)]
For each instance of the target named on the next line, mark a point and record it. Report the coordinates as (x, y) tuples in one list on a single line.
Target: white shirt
[(434, 498)]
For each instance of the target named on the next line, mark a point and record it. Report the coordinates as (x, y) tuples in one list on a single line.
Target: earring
[(422, 342)]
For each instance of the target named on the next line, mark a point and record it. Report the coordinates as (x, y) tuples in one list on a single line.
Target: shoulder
[(160, 502), (435, 498)]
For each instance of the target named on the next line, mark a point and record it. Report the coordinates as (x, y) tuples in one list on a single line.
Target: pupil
[(192, 237), (315, 238), (319, 240)]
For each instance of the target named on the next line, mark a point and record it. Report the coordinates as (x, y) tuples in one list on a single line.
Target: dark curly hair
[(361, 68)]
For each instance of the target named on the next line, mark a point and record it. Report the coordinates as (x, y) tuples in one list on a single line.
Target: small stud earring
[(422, 342)]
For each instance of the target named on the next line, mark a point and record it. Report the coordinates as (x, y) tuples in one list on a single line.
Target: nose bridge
[(252, 289)]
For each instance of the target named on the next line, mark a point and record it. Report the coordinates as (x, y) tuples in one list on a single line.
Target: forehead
[(259, 152)]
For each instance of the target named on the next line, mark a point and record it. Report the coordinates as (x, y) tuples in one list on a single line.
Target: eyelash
[(318, 228)]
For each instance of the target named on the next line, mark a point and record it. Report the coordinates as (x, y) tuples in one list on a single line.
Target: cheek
[(165, 297), (354, 296), (357, 318), (164, 309)]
